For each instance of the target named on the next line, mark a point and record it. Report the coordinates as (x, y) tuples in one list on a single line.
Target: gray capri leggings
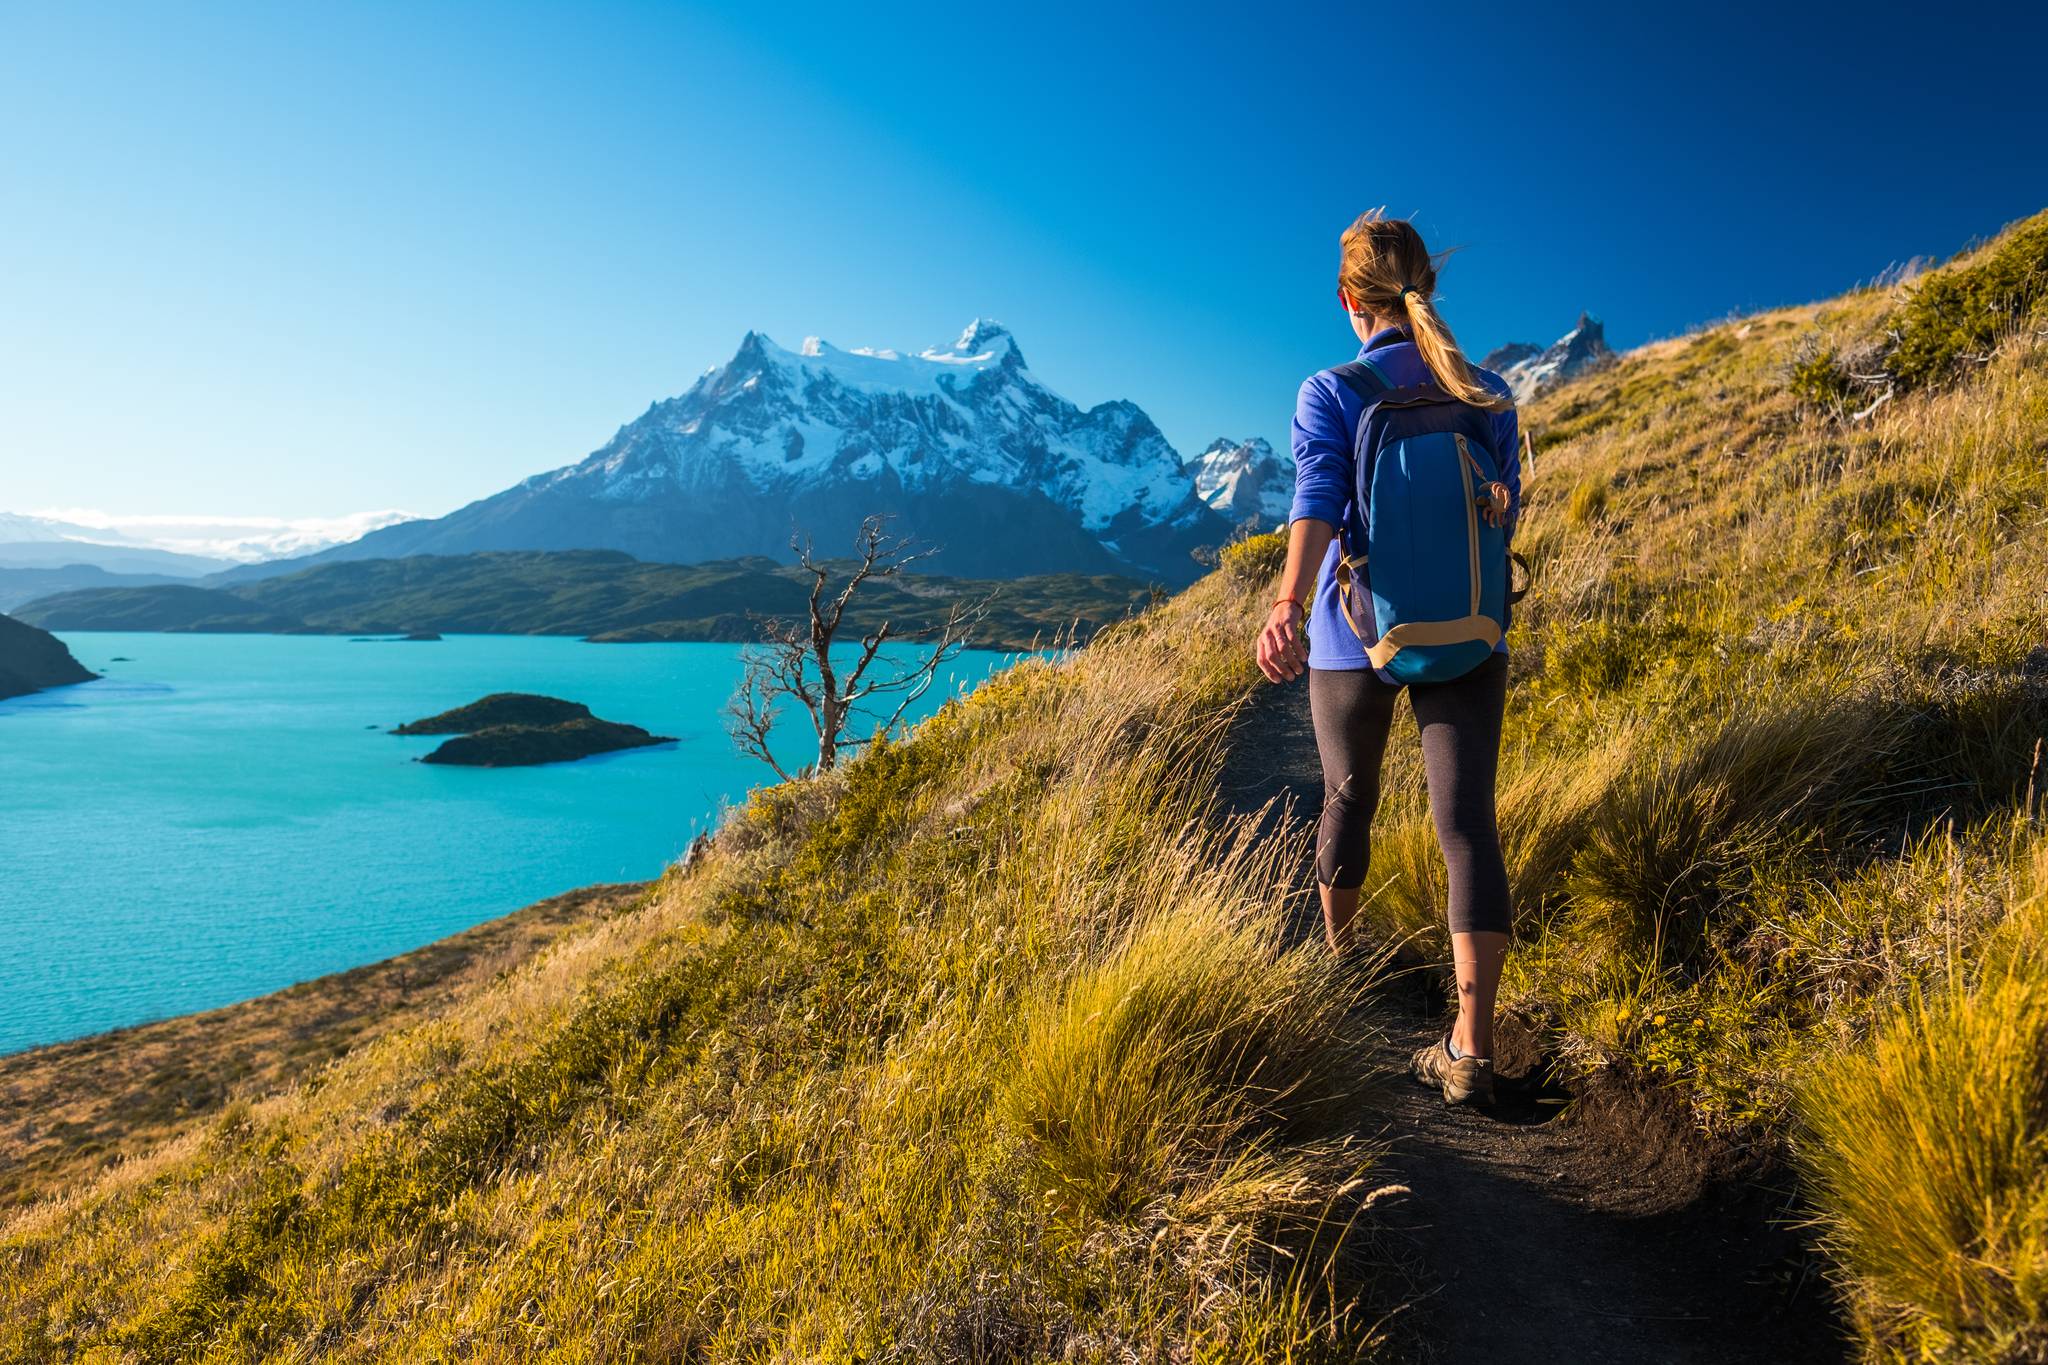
[(1460, 722)]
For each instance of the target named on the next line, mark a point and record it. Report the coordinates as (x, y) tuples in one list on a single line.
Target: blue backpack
[(1428, 592)]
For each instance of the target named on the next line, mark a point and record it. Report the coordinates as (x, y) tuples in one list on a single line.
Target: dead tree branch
[(794, 660)]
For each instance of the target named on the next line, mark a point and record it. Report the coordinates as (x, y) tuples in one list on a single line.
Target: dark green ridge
[(604, 595)]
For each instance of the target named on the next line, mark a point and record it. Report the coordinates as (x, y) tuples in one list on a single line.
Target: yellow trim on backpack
[(1433, 633)]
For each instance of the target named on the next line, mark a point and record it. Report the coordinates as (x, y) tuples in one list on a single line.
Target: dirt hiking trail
[(1588, 1227)]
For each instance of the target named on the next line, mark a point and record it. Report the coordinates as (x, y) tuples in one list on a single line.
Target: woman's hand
[(1498, 501), (1282, 648)]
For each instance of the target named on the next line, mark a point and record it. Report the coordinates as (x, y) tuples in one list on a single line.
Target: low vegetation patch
[(1957, 317), (1934, 330)]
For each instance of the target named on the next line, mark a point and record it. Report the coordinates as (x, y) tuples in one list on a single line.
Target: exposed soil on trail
[(1578, 1220)]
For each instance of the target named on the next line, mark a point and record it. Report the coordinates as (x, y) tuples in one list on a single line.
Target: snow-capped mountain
[(1530, 370), (961, 444), (1245, 481)]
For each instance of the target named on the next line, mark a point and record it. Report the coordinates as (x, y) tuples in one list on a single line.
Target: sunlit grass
[(1928, 1150)]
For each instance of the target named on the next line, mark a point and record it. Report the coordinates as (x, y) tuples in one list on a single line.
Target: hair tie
[(1406, 290)]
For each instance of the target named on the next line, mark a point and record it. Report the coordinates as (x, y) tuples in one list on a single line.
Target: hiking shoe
[(1464, 1080)]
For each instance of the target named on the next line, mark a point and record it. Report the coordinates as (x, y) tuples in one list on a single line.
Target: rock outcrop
[(32, 659)]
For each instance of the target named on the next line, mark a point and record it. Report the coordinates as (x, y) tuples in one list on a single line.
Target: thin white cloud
[(226, 537)]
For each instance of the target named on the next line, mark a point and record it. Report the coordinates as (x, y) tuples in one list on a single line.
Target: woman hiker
[(1400, 580)]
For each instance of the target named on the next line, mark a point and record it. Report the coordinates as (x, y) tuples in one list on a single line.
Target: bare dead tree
[(793, 660)]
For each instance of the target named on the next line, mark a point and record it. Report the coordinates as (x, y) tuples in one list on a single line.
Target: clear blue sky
[(298, 259)]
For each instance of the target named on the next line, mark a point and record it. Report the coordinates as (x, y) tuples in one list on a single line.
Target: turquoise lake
[(217, 818)]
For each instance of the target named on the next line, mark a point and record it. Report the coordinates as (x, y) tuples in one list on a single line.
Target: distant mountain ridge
[(602, 594), (960, 444), (1530, 369), (26, 585), (174, 545), (68, 552)]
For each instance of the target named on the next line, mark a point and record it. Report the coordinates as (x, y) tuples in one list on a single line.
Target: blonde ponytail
[(1387, 270)]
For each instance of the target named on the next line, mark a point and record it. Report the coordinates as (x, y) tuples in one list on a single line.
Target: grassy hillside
[(986, 1046), (598, 593)]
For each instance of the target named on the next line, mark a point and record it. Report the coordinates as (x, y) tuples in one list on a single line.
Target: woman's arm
[(1282, 651), (1322, 490), (1507, 440)]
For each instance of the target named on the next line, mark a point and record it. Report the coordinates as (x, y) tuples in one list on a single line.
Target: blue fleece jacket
[(1326, 417)]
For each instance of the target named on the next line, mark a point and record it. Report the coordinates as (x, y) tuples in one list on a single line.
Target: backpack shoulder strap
[(1363, 378), (1417, 395)]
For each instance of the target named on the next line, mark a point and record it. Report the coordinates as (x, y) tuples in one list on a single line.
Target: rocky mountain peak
[(1530, 369), (1589, 337), (1514, 353), (1254, 448), (987, 337), (1244, 481)]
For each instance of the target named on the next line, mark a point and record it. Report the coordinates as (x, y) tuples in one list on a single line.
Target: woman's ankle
[(1466, 1042)]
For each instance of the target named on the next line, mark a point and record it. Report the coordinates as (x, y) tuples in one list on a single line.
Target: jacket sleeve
[(1507, 439), (1323, 477)]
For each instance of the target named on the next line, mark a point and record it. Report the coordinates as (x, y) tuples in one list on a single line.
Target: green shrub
[(1819, 378), (1256, 559), (1960, 314)]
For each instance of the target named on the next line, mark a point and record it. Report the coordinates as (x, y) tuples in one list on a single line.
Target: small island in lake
[(517, 729)]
